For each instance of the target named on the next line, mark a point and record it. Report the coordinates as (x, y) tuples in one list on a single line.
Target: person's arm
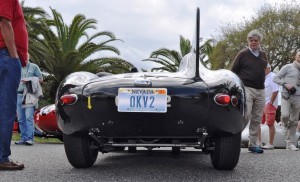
[(273, 97), (8, 36), (278, 77), (236, 64), (38, 73), (275, 89)]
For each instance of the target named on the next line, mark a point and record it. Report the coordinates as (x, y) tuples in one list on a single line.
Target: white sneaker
[(291, 147), (268, 146)]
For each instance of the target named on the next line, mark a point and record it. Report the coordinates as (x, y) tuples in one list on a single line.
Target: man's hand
[(288, 86)]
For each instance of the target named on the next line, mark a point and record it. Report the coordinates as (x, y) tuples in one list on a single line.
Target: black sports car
[(194, 107)]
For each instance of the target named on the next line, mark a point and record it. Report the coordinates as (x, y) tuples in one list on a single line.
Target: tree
[(67, 49), (171, 59), (280, 25), (35, 22), (281, 28), (205, 52)]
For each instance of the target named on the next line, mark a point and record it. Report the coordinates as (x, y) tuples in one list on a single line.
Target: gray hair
[(254, 33)]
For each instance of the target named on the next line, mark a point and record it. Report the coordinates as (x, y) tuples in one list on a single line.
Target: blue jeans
[(26, 120), (10, 75)]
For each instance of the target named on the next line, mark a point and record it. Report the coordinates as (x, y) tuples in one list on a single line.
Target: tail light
[(69, 99), (234, 100), (222, 99)]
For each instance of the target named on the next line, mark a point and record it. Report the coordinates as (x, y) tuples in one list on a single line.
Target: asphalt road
[(47, 162)]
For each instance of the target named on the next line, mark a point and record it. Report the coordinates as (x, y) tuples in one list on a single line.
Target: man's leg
[(2, 94), (293, 120), (249, 103), (263, 120), (272, 134), (10, 77), (259, 136), (285, 111), (285, 114), (270, 120), (256, 114), (29, 112), (21, 119)]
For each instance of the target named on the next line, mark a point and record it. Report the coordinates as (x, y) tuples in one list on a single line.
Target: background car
[(279, 138), (16, 128), (45, 123)]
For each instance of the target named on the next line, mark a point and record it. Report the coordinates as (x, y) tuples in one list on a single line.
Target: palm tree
[(171, 59), (35, 22), (205, 52), (69, 48)]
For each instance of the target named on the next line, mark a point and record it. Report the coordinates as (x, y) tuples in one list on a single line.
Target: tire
[(79, 152), (61, 138), (176, 150), (131, 149), (118, 149), (226, 152)]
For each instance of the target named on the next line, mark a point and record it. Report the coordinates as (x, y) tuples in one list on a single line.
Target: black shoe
[(10, 165)]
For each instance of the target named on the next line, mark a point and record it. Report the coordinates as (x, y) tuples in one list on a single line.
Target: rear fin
[(196, 44)]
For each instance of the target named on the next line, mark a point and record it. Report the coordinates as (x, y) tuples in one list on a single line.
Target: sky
[(148, 25)]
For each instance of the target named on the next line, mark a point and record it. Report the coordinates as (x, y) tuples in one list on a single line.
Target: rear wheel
[(226, 152), (176, 150), (132, 149), (79, 152), (119, 148), (61, 138)]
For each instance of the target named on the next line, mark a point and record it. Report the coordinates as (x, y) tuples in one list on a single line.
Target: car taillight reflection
[(69, 99)]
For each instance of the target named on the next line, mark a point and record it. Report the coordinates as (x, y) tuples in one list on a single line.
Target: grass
[(16, 137)]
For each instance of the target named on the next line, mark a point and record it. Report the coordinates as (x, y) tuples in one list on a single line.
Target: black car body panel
[(191, 106)]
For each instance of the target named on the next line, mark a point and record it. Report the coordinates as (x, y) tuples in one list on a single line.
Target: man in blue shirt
[(26, 113)]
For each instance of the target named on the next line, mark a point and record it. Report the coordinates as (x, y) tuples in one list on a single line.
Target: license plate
[(142, 100)]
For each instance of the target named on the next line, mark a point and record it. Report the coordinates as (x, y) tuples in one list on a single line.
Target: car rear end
[(121, 110)]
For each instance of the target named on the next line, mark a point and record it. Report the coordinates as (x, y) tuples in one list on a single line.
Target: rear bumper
[(172, 124)]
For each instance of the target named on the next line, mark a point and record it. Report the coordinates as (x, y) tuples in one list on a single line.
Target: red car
[(45, 123)]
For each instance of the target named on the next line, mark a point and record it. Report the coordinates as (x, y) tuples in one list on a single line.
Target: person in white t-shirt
[(271, 104)]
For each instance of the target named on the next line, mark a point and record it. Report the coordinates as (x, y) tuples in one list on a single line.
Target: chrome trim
[(143, 83), (154, 145)]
